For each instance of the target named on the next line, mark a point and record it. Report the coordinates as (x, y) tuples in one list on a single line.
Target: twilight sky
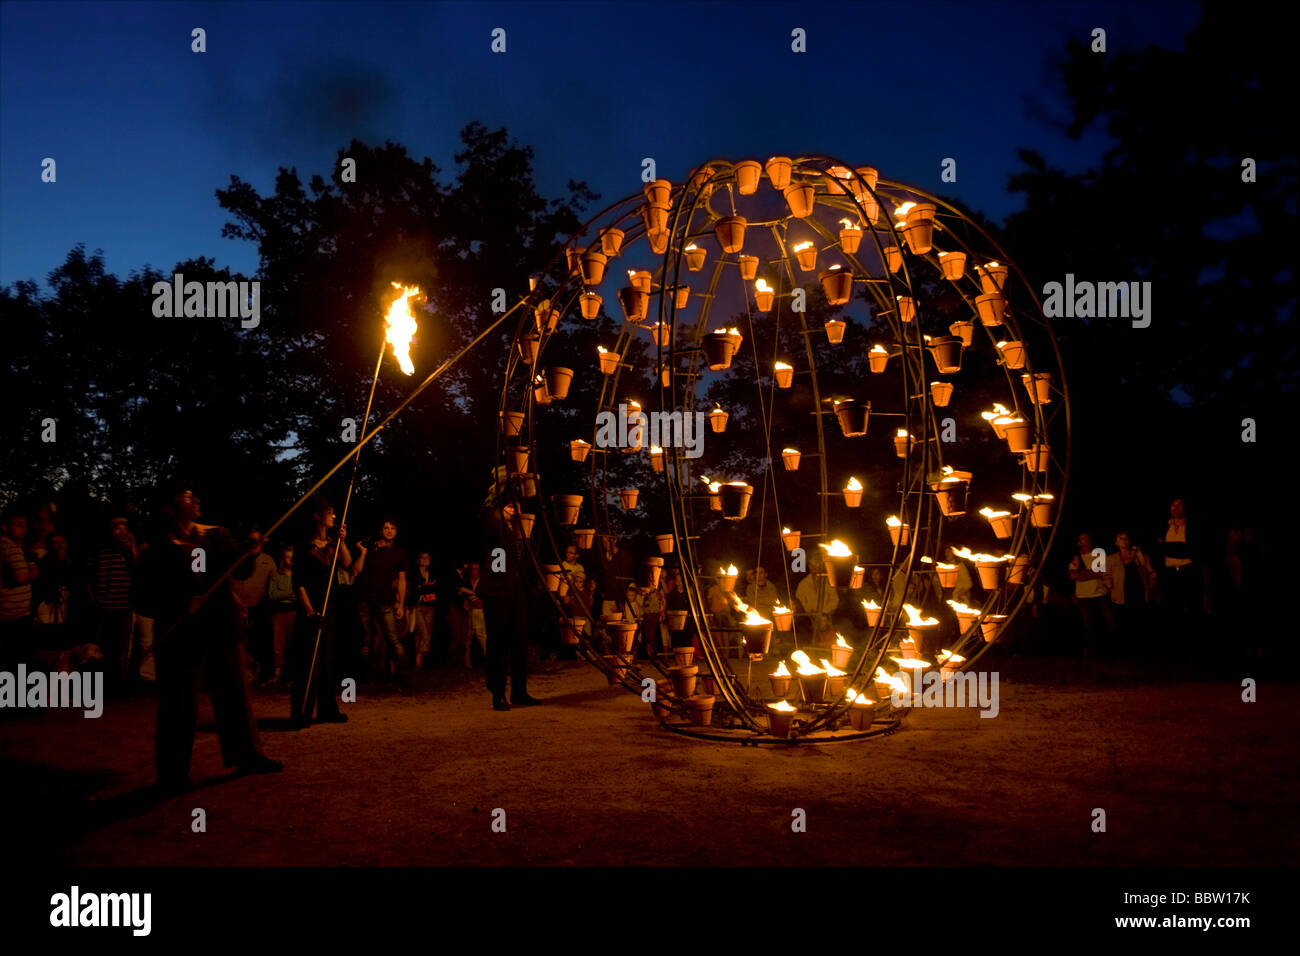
[(144, 131)]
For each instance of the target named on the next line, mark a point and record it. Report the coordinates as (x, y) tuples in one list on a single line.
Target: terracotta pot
[(893, 258), (900, 534), (919, 227), (1039, 386), (778, 170), (664, 543), (855, 582), (1003, 527), (852, 497), (946, 350), (658, 241), (850, 239), (718, 350), (747, 172), (700, 709), (640, 279), (618, 665), (718, 420), (551, 576), (807, 258), (658, 708), (517, 455), (947, 574), (684, 656), (906, 308), (779, 722), (700, 181), (860, 190), (953, 265), (992, 627), (840, 656), (525, 524), (540, 394), (622, 635), (676, 621), (783, 620), (884, 689), (715, 501), (1020, 436), (681, 295), (589, 303), (853, 417), (836, 177), (655, 216), (584, 538), (727, 582), (528, 347), (780, 686), (838, 286), (835, 685), (992, 307), (758, 639), (1013, 354), (528, 485), (571, 629), (1041, 515), (656, 460), (566, 508), (658, 191), (862, 716), (593, 267), (993, 277), (557, 381), (814, 688), (708, 683), (764, 299), (784, 376), (512, 422), (835, 331), (965, 329), (651, 570), (574, 258), (839, 570), (903, 444), (611, 241), (964, 621), (683, 679), (748, 267), (940, 393), (951, 497), (735, 501), (579, 449), (635, 304), (1038, 458), (800, 197), (1019, 570), (628, 497), (791, 539), (608, 362), (877, 361), (991, 575), (730, 231), (660, 334), (873, 615), (547, 318), (695, 258)]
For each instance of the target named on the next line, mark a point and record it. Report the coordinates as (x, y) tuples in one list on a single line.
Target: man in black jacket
[(197, 638), (503, 589)]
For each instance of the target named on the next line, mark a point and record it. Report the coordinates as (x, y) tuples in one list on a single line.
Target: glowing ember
[(837, 549), (914, 618), (401, 327)]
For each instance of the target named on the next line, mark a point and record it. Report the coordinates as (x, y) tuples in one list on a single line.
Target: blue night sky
[(144, 131)]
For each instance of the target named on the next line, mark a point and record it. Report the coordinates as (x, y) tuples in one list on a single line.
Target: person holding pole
[(313, 689), (504, 592)]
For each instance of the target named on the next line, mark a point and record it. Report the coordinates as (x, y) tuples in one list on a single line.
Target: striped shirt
[(15, 598), (113, 580)]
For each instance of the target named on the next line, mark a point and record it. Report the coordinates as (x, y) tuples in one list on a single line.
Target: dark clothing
[(504, 593), (617, 575), (376, 583), (112, 580), (420, 592), (311, 572), (208, 643)]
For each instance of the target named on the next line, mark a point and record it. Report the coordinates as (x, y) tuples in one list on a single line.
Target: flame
[(879, 349), (949, 658), (893, 521), (731, 572), (902, 210), (927, 560), (762, 286), (901, 433), (401, 326), (656, 450), (841, 642), (860, 699), (752, 617), (848, 224), (782, 707), (579, 441), (912, 663), (992, 515), (1022, 498), (870, 605), (602, 350), (914, 618), (962, 609), (999, 411), (780, 609), (853, 485), (781, 670), (781, 366), (1045, 497), (833, 268), (979, 558), (946, 567), (991, 265), (831, 669), (806, 667), (837, 549), (807, 243)]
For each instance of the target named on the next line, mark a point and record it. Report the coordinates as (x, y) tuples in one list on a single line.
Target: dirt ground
[(1186, 772)]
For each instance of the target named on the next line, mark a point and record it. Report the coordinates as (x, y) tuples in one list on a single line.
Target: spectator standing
[(1182, 576), (1090, 593), (110, 584), (380, 575), (53, 590), (284, 609), (1132, 584), (504, 590), (17, 574), (423, 596), (313, 633)]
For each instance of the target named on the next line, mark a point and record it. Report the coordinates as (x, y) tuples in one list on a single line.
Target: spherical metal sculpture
[(888, 337)]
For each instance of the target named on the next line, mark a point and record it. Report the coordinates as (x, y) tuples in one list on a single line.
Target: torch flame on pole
[(401, 326)]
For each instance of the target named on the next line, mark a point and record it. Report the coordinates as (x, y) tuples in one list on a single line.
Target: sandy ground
[(1186, 772)]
